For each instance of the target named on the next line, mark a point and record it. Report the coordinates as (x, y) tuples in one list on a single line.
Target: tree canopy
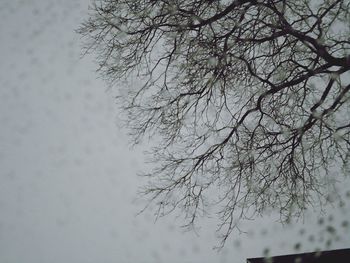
[(247, 100)]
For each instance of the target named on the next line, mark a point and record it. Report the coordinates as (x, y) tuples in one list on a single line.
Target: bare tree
[(248, 99)]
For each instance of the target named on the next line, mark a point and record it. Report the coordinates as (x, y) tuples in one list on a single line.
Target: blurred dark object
[(332, 256)]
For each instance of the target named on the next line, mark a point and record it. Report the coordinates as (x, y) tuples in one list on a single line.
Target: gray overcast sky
[(68, 177)]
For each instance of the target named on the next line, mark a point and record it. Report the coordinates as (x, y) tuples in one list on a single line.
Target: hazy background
[(68, 177)]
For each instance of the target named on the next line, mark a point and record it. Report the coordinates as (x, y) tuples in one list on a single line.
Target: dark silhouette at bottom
[(331, 256)]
